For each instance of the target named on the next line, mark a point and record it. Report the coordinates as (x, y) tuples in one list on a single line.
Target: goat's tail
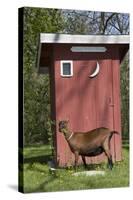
[(114, 132)]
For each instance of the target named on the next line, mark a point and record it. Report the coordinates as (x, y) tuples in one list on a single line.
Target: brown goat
[(91, 143)]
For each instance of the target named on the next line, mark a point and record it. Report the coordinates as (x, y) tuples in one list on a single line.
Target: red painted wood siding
[(88, 103)]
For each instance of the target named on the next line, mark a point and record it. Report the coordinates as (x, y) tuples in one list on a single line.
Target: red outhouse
[(85, 86)]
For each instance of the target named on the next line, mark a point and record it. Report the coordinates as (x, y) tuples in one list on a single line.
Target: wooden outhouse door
[(101, 102)]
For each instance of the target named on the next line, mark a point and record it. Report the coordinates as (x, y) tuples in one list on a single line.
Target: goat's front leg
[(76, 159), (84, 161)]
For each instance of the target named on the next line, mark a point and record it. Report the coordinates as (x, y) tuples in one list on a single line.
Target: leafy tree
[(37, 123), (125, 97), (91, 22)]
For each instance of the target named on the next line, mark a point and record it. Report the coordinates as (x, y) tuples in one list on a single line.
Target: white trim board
[(84, 39), (71, 68)]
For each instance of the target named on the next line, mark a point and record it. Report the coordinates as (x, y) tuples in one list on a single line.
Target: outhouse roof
[(83, 39), (48, 39)]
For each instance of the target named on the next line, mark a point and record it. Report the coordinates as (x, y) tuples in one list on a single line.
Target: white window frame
[(71, 68)]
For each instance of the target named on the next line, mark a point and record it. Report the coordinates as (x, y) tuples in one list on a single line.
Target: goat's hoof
[(86, 168), (111, 166)]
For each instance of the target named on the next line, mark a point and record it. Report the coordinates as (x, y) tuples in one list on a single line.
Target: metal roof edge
[(84, 39)]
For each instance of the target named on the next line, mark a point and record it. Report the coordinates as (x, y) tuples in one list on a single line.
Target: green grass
[(38, 177)]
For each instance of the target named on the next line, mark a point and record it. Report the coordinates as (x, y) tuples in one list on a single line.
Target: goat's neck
[(67, 133)]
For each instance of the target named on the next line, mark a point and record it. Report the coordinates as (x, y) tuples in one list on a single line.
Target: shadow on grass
[(39, 159), (81, 167), (126, 145), (37, 154)]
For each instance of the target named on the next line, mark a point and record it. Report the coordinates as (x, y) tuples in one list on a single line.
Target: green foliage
[(37, 122), (125, 97), (44, 180)]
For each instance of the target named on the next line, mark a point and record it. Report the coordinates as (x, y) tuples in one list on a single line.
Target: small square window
[(66, 68)]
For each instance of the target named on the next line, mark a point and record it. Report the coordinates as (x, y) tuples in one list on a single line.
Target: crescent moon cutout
[(95, 73)]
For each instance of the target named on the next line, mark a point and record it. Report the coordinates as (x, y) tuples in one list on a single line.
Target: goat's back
[(93, 138)]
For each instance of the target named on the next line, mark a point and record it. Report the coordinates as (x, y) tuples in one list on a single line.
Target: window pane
[(66, 69)]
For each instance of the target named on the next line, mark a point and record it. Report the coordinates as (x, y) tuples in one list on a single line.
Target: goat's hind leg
[(110, 162), (108, 154)]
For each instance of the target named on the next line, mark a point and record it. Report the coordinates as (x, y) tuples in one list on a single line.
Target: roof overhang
[(84, 39), (53, 38)]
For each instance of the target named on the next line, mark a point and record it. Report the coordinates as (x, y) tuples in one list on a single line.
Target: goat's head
[(63, 125)]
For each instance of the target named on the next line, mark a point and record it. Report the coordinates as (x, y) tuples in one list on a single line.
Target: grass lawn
[(38, 177)]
